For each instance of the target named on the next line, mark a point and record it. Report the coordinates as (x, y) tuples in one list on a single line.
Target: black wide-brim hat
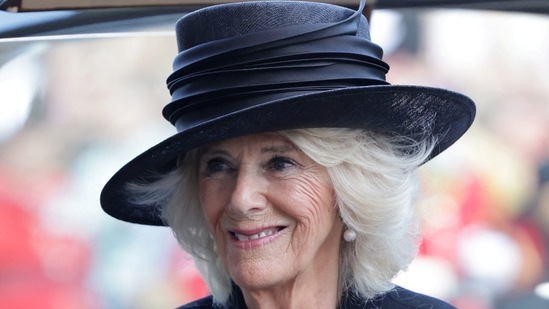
[(264, 66)]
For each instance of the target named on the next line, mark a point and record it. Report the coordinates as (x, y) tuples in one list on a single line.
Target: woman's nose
[(249, 192)]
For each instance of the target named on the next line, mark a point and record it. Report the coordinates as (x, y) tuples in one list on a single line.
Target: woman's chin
[(258, 273)]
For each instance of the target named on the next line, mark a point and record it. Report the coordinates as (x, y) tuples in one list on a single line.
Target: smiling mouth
[(262, 234)]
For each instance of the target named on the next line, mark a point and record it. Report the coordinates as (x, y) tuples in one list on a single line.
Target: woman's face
[(271, 210)]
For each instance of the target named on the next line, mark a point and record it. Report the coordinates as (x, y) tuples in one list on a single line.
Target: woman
[(291, 178)]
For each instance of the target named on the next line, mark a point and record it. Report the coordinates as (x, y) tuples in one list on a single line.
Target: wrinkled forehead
[(272, 142)]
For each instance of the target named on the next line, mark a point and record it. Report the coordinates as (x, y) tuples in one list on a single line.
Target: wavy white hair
[(375, 183)]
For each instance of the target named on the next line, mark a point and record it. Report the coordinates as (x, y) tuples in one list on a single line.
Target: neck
[(318, 297), (315, 289)]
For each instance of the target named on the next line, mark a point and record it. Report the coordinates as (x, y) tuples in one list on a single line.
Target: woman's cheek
[(207, 200)]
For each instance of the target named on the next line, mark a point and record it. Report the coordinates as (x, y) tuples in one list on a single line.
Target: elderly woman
[(292, 176)]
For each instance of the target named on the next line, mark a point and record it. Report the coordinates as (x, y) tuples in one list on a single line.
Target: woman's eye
[(216, 166), (280, 163)]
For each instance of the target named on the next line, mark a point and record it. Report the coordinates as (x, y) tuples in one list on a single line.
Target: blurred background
[(73, 111)]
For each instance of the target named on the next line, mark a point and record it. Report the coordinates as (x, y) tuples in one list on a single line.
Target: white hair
[(375, 182)]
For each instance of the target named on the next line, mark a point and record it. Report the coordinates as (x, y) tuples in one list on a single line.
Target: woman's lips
[(246, 236)]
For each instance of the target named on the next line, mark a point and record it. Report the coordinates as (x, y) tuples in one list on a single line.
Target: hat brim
[(389, 109)]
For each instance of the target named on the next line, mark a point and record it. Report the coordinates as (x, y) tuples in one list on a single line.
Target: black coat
[(397, 298)]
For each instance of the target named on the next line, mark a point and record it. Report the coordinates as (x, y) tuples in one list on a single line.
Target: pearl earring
[(349, 235)]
